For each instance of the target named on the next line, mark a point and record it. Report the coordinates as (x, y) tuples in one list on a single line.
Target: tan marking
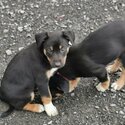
[(46, 100), (121, 81), (33, 107), (44, 51), (106, 84), (46, 55), (32, 96), (73, 84), (114, 67)]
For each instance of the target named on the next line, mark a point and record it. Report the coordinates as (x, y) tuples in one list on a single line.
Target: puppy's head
[(55, 46)]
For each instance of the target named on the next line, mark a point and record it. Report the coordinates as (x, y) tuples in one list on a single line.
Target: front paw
[(117, 85), (100, 88), (50, 109)]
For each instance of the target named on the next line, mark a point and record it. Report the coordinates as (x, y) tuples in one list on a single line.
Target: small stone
[(123, 90), (63, 25), (114, 1), (74, 112), (106, 9), (5, 30), (37, 6), (104, 94), (21, 11), (28, 35), (97, 107), (54, 1), (20, 48), (116, 8), (72, 94), (8, 52), (121, 112), (113, 90), (27, 27), (50, 122), (124, 116), (20, 28), (113, 105), (116, 112)]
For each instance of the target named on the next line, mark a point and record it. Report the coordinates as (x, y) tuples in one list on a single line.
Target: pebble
[(20, 28), (27, 28), (114, 1), (28, 35), (5, 30), (113, 105), (112, 90), (21, 11), (97, 107), (50, 122), (116, 112), (121, 112), (20, 48), (8, 52), (74, 112), (72, 94)]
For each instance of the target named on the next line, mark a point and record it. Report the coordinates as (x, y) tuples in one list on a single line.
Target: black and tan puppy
[(90, 57), (33, 67)]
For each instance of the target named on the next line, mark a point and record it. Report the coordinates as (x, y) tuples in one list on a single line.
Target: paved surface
[(21, 19)]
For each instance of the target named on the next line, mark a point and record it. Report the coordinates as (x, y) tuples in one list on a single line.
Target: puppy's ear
[(40, 38), (70, 36)]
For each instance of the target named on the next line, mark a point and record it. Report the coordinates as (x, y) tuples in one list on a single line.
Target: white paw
[(50, 109), (41, 108), (115, 86), (100, 88)]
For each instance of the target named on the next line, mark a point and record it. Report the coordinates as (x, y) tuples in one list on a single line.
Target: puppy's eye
[(62, 49), (50, 50)]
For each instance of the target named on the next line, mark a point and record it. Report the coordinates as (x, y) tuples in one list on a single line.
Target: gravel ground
[(21, 19)]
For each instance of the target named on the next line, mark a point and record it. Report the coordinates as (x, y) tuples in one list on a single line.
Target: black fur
[(89, 58), (27, 70)]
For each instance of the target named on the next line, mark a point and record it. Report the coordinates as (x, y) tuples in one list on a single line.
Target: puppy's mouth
[(56, 64)]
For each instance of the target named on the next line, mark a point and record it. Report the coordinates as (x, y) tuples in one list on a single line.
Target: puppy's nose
[(57, 63)]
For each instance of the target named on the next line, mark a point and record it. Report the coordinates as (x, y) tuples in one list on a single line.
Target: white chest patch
[(51, 72)]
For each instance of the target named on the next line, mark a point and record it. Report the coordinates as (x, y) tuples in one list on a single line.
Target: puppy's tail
[(9, 111)]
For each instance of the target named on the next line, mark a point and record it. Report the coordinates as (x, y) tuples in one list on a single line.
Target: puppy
[(32, 68), (90, 57)]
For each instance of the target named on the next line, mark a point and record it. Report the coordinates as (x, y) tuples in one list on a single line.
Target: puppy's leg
[(114, 67), (100, 72), (46, 98), (121, 81), (104, 85), (73, 84), (33, 107)]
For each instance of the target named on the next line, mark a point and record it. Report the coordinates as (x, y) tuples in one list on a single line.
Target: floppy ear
[(70, 36), (40, 38)]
